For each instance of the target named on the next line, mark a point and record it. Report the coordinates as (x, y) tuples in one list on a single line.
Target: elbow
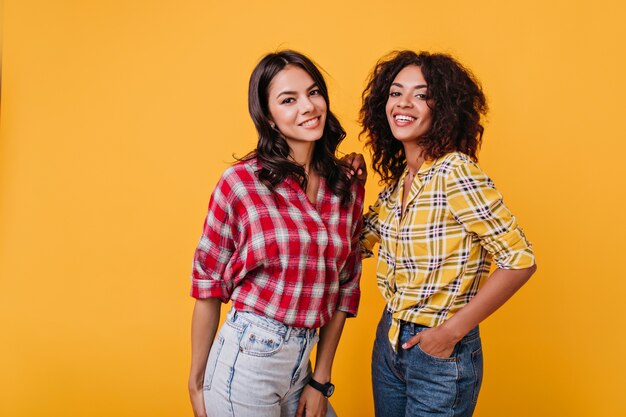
[(528, 272)]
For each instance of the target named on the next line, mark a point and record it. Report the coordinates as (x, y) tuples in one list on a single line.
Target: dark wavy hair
[(455, 98), (272, 151)]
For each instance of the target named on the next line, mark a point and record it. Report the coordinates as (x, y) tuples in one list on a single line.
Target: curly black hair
[(272, 151), (455, 98)]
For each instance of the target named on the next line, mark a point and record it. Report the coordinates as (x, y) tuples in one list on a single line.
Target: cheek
[(388, 107), (279, 115), (429, 120), (427, 114), (321, 105), (272, 112)]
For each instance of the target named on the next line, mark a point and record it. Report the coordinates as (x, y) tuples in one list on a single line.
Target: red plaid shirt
[(276, 254)]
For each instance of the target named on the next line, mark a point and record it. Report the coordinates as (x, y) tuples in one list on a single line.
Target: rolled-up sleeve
[(210, 277), (477, 205)]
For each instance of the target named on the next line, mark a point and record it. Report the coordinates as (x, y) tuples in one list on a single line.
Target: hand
[(197, 401), (357, 162), (312, 403), (435, 342)]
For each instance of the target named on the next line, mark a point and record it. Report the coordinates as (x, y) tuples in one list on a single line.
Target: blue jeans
[(416, 384), (257, 367)]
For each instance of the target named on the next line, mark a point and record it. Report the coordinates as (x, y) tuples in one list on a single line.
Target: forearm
[(204, 322), (327, 347), (500, 286)]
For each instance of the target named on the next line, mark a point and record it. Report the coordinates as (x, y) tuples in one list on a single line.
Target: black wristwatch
[(326, 389)]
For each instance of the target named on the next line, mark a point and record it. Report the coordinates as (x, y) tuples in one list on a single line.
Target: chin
[(404, 138)]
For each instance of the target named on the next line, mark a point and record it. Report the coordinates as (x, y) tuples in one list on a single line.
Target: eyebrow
[(294, 93), (416, 87)]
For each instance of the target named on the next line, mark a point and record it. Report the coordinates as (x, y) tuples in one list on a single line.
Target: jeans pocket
[(257, 341), (477, 363), (436, 358), (212, 361)]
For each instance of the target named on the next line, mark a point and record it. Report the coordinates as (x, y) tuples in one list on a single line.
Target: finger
[(359, 162), (411, 342), (324, 409), (362, 176), (300, 411)]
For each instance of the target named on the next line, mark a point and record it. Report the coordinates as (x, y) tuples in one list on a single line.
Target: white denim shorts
[(257, 367)]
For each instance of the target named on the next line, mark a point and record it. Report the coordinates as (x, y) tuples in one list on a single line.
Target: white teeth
[(309, 123), (403, 118)]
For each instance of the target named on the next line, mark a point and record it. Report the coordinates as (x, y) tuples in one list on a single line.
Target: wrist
[(453, 330), (327, 389), (321, 377)]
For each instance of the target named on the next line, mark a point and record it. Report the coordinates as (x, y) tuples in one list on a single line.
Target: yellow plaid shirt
[(432, 258)]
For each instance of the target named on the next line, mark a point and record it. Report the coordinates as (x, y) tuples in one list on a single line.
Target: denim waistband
[(238, 319)]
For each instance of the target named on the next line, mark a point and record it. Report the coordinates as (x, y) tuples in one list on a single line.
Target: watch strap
[(326, 389)]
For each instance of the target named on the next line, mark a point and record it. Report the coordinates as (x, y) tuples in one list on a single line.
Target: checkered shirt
[(432, 259), (276, 254)]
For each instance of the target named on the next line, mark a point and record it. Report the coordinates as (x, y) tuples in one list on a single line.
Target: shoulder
[(243, 170), (465, 175), (451, 162), (457, 164), (238, 179)]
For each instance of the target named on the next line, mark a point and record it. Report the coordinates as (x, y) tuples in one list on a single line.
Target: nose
[(405, 101), (306, 105)]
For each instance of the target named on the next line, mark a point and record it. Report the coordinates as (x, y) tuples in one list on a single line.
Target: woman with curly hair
[(439, 222), (281, 241)]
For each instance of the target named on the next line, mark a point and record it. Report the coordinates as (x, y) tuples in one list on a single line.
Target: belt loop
[(287, 333)]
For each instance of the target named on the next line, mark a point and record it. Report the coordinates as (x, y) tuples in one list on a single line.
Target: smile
[(314, 122), (404, 118)]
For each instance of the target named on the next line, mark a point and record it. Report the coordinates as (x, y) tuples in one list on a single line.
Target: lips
[(403, 119), (311, 123)]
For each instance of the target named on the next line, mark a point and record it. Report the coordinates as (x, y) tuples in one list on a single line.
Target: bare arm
[(311, 399), (204, 322), (500, 286)]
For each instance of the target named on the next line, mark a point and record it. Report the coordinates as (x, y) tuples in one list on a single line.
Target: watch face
[(330, 390)]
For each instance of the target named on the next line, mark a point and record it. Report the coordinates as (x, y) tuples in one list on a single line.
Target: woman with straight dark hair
[(440, 222), (281, 242)]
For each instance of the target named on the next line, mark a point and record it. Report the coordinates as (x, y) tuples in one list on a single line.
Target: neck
[(414, 157), (302, 153)]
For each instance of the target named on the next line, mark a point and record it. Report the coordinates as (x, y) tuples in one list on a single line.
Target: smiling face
[(296, 105), (407, 108)]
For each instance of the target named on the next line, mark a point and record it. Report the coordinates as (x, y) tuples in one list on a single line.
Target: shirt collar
[(423, 170), (426, 166)]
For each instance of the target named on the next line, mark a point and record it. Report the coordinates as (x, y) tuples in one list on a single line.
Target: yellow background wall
[(118, 117)]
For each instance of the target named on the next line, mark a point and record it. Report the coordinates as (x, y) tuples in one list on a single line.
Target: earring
[(273, 125)]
